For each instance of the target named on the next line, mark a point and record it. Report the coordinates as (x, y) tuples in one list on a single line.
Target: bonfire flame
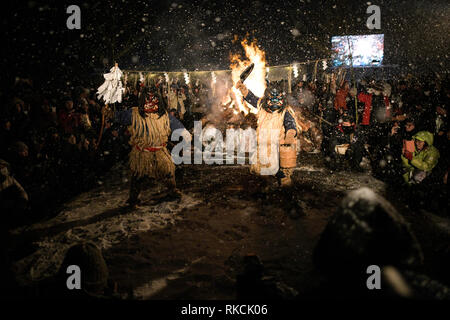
[(256, 80)]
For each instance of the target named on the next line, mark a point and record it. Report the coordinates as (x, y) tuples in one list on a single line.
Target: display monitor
[(362, 50)]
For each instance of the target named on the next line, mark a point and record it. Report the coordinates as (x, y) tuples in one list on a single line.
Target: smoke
[(305, 98)]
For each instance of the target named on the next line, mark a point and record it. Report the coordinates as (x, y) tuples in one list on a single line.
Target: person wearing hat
[(419, 163), (386, 156), (345, 141)]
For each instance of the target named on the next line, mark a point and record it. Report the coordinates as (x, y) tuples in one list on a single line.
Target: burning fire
[(256, 80)]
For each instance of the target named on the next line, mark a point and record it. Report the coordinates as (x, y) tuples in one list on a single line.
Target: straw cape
[(269, 132), (150, 132)]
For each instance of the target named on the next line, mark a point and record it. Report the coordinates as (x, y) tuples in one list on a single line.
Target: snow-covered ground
[(224, 210), (100, 216)]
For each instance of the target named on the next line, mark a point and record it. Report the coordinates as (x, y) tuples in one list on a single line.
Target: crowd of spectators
[(49, 146), (397, 129)]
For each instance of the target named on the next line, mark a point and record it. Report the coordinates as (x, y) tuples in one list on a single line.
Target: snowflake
[(295, 32)]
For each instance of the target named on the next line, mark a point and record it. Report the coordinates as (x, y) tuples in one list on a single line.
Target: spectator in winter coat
[(343, 141), (340, 103), (68, 119), (44, 117), (419, 164), (401, 135), (366, 98)]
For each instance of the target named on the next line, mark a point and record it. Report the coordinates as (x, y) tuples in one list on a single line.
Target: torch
[(244, 75)]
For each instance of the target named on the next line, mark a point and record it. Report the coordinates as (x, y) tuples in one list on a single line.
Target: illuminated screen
[(366, 50)]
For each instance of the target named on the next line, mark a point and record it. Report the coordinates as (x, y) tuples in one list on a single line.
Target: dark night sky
[(176, 35)]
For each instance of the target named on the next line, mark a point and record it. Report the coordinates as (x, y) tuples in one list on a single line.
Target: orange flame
[(256, 80)]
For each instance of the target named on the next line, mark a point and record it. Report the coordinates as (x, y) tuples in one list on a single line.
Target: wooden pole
[(354, 82), (101, 129)]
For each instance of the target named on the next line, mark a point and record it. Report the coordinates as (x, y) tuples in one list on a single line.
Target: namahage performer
[(276, 125), (150, 126)]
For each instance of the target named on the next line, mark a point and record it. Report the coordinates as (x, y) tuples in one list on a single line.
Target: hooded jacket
[(424, 160)]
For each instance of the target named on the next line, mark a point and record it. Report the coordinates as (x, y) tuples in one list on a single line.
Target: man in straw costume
[(150, 126), (276, 126)]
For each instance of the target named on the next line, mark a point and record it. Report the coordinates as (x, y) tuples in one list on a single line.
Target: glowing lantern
[(295, 69)]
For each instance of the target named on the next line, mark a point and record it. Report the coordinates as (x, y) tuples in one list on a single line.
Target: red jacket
[(387, 103), (367, 99), (68, 120), (339, 100)]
